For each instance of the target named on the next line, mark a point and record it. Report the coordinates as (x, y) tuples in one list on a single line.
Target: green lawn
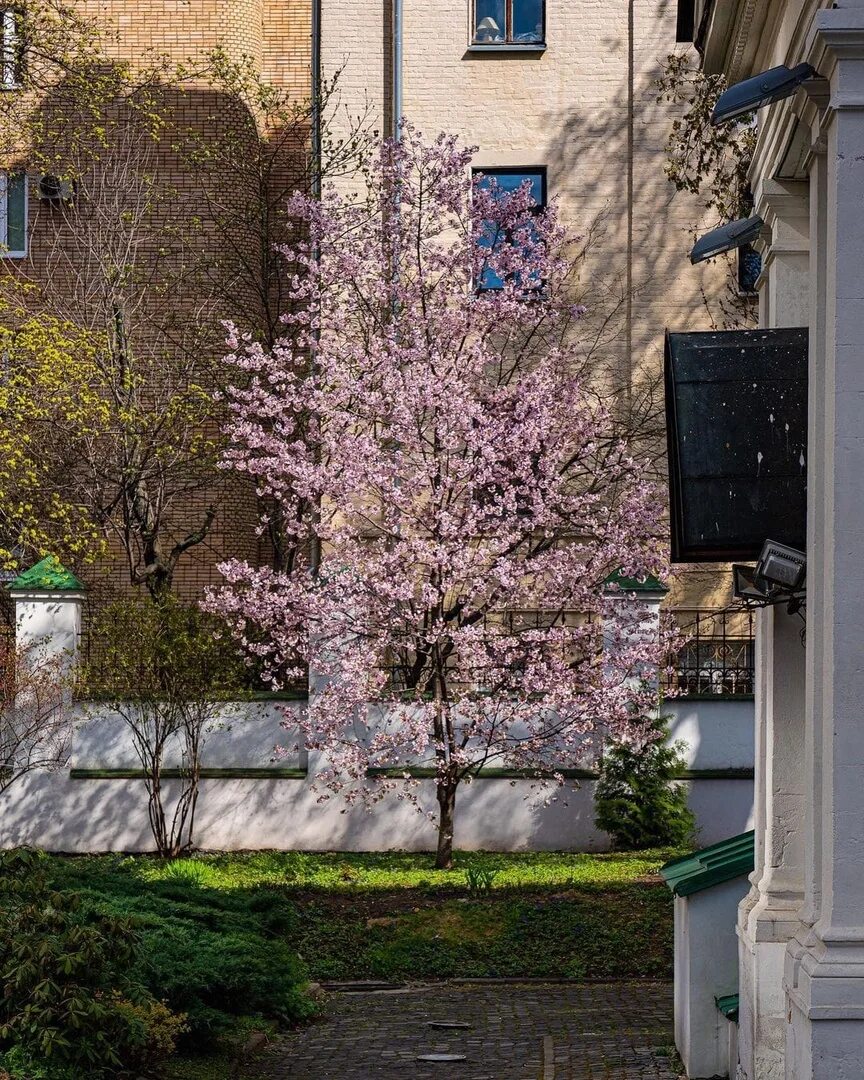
[(231, 942), (390, 916)]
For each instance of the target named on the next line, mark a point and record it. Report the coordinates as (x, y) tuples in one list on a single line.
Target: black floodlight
[(736, 421), (745, 586), (781, 568), (726, 238), (774, 85)]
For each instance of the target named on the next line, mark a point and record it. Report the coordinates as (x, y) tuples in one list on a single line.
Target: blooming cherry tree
[(435, 442)]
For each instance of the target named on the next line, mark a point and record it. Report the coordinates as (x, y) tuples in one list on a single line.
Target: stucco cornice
[(732, 34), (835, 34), (835, 47)]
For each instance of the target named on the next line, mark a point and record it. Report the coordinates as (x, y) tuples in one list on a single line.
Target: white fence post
[(646, 595), (48, 600)]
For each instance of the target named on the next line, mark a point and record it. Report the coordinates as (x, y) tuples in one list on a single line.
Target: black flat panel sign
[(736, 422)]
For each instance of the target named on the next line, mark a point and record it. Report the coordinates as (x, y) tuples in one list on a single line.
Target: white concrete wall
[(718, 732), (61, 812), (706, 966)]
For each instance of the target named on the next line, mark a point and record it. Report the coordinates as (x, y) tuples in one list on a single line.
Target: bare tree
[(167, 671), (35, 712)]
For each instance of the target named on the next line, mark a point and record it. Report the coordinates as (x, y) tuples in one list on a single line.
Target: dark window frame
[(526, 172), (11, 47), (508, 41)]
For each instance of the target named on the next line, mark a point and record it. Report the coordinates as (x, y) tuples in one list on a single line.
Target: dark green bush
[(71, 1005), (210, 954), (637, 799)]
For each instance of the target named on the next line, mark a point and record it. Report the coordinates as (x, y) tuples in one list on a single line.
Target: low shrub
[(209, 954), (638, 800), (212, 975), (156, 1028), (71, 1004), (480, 879)]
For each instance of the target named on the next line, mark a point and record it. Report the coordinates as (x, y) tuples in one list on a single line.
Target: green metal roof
[(711, 866), (49, 575), (629, 584), (728, 1005)]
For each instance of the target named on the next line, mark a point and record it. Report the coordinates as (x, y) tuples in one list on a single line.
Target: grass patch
[(369, 872), (391, 916)]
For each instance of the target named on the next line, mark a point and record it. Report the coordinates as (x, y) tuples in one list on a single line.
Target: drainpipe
[(315, 546), (397, 66), (316, 98)]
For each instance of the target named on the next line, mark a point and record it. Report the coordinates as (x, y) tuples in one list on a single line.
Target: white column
[(767, 917), (825, 970), (632, 614), (49, 621)]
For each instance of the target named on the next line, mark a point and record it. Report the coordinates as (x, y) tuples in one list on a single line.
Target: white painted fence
[(251, 799)]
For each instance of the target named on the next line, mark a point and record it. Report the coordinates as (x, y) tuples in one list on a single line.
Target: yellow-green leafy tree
[(157, 198)]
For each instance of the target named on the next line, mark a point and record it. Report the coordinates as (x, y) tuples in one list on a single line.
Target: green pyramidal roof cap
[(712, 865), (50, 575), (629, 584), (728, 1005)]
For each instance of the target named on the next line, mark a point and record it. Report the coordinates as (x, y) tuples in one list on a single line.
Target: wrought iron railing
[(100, 678), (718, 657), (403, 669)]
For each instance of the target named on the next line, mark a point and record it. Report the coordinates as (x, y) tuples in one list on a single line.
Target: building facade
[(567, 100), (801, 928), (181, 233)]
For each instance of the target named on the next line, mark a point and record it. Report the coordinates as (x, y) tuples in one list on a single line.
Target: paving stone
[(599, 1031)]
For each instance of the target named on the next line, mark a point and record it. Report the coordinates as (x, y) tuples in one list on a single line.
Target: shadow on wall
[(608, 166), (60, 814)]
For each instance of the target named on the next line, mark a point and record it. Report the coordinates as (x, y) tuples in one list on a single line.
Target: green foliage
[(213, 955), (480, 878), (360, 874), (170, 651), (548, 915), (71, 1004), (572, 933), (187, 872), (637, 800), (157, 1030), (709, 161)]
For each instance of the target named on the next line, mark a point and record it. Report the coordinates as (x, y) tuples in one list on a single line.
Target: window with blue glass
[(13, 215), (749, 268), (509, 22), (505, 181)]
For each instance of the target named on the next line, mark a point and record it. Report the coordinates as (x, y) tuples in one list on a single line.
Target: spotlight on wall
[(774, 85), (778, 577), (781, 568), (745, 586), (726, 238)]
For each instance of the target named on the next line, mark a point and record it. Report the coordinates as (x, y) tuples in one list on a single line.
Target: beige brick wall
[(276, 35), (566, 109)]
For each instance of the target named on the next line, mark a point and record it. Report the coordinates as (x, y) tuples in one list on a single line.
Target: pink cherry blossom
[(469, 498)]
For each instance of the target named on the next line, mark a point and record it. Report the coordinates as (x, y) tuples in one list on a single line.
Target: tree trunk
[(446, 814), (159, 582)]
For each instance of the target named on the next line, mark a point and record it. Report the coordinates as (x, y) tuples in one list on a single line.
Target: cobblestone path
[(591, 1031)]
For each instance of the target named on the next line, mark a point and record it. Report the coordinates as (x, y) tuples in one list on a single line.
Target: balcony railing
[(719, 655)]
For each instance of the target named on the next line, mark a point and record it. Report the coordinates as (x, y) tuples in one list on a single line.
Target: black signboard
[(736, 421)]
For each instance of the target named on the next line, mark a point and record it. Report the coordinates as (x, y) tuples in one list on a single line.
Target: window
[(13, 214), (507, 180), (749, 269), (509, 22), (10, 49)]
